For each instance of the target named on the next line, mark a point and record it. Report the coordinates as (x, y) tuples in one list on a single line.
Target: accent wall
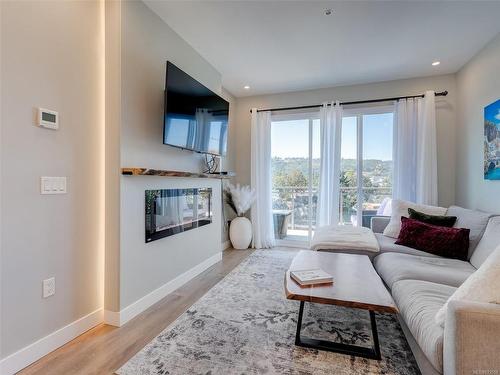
[(478, 84)]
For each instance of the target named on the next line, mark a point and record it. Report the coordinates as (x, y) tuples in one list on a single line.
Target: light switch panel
[(52, 185), (49, 287)]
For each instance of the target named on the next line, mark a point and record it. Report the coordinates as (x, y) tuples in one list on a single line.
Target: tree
[(294, 178)]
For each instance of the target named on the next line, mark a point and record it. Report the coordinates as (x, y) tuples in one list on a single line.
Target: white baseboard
[(112, 318), (118, 319), (226, 245), (31, 353)]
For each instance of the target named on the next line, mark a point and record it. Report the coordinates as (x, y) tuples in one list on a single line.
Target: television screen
[(195, 117)]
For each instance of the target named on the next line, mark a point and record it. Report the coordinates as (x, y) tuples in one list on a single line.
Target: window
[(295, 163), (366, 167)]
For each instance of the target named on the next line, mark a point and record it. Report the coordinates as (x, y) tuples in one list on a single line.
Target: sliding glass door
[(366, 167), (295, 162)]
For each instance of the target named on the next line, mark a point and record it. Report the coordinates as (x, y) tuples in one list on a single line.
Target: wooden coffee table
[(356, 284)]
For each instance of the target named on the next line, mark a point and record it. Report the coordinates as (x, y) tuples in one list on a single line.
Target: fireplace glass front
[(171, 211)]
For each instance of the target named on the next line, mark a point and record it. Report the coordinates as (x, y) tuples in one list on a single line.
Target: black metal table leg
[(299, 323), (359, 351), (376, 346)]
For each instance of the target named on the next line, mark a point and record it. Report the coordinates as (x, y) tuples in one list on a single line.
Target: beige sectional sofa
[(421, 283)]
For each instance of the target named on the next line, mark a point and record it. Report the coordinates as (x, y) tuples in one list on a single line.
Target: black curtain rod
[(442, 93)]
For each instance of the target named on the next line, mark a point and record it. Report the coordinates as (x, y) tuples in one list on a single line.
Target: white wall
[(478, 84), (51, 56), (146, 44), (445, 116)]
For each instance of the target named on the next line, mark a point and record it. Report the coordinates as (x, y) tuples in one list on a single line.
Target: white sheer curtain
[(415, 150), (262, 209), (329, 181), (405, 149), (427, 188)]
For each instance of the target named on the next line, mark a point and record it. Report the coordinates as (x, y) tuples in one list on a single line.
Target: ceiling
[(278, 46)]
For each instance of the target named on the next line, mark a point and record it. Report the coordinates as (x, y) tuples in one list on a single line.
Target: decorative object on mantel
[(211, 163), (167, 173), (240, 199), (492, 141)]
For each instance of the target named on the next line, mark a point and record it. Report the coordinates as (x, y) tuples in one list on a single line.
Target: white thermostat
[(48, 119)]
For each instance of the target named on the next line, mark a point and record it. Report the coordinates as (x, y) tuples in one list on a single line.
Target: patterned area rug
[(244, 325)]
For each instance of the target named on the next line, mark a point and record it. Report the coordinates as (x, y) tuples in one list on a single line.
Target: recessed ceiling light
[(328, 11), (436, 63), (246, 87)]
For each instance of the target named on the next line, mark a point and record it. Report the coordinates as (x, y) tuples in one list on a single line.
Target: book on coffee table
[(311, 277)]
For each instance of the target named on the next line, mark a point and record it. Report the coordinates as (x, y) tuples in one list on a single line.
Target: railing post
[(341, 218)]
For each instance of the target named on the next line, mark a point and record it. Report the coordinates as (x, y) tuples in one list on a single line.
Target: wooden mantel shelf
[(166, 173)]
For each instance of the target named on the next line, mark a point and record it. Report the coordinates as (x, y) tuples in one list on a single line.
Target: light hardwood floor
[(104, 349)]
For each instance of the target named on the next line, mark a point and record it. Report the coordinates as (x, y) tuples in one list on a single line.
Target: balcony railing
[(372, 199), (295, 200), (295, 209)]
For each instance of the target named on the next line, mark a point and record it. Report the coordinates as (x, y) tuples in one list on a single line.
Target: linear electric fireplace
[(171, 211)]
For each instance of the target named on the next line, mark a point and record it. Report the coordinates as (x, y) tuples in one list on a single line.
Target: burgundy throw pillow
[(442, 241)]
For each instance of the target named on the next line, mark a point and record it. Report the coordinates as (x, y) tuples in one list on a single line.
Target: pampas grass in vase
[(240, 199)]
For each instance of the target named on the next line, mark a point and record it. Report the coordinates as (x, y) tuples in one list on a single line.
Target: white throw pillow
[(400, 208), (482, 286)]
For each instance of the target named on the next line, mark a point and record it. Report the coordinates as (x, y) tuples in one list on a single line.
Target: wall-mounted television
[(195, 117)]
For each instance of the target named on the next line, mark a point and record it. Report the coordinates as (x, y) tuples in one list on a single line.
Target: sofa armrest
[(471, 338), (378, 223)]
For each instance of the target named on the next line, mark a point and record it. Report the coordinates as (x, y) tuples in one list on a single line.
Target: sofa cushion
[(443, 241), (388, 245), (476, 221), (439, 220), (418, 303), (400, 208), (394, 267), (489, 241), (482, 286)]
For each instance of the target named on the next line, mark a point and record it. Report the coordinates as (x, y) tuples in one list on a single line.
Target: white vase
[(240, 233)]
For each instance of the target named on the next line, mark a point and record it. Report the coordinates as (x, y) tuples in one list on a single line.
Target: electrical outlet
[(49, 287)]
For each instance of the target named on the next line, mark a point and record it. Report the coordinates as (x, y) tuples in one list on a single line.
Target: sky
[(492, 113), (291, 138)]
